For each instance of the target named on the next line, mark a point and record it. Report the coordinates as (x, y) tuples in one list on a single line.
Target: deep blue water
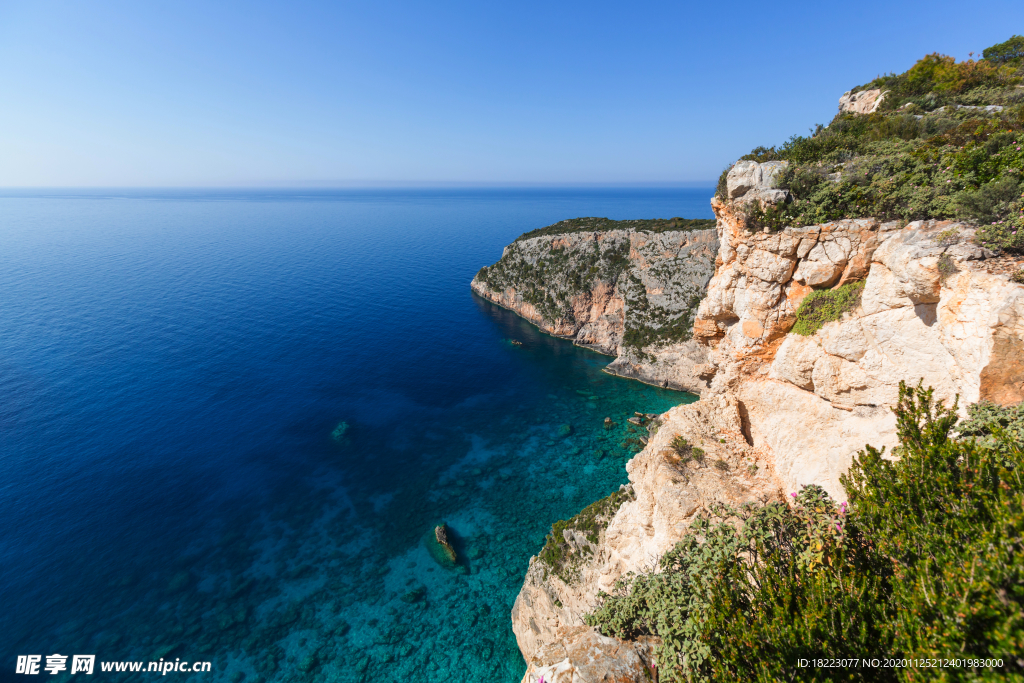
[(228, 420)]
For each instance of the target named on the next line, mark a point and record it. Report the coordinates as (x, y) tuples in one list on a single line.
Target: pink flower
[(793, 494)]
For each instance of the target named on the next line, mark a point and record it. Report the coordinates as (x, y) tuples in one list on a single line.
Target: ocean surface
[(229, 419)]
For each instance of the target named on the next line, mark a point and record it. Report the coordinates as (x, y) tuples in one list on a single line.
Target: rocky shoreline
[(640, 286)]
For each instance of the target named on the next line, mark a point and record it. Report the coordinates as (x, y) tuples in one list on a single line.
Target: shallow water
[(229, 419)]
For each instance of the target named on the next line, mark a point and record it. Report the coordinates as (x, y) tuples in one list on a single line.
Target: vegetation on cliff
[(926, 563), (564, 557), (826, 305), (591, 224), (947, 141), (555, 275)]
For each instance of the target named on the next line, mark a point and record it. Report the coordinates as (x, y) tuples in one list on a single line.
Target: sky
[(396, 92)]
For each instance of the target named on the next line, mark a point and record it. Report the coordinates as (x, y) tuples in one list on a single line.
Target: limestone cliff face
[(624, 292), (930, 311), (934, 307)]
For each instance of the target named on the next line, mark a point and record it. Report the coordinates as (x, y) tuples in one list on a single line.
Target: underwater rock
[(565, 430), (339, 431), (441, 534), (439, 543), (608, 423)]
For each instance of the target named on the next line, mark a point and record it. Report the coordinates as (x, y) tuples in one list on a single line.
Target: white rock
[(863, 102), (746, 176)]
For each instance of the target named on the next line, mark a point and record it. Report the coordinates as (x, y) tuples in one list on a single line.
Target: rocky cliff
[(629, 289), (784, 409), (933, 308), (878, 250)]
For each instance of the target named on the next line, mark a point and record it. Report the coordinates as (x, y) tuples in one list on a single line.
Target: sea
[(231, 419)]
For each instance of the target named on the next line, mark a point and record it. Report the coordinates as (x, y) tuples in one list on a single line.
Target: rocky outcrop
[(748, 181), (929, 312), (441, 536), (861, 102), (667, 495), (581, 655), (628, 293)]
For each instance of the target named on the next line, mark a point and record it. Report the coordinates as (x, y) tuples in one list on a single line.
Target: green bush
[(1018, 277), (948, 518), (926, 563), (687, 451), (1011, 50), (826, 305), (989, 423), (679, 602), (722, 189), (947, 268)]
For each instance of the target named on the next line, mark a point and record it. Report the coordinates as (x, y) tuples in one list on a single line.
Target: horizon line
[(454, 184)]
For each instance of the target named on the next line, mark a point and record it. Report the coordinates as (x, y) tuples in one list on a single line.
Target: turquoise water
[(228, 420)]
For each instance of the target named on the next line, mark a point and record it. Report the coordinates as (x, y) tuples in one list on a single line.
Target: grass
[(826, 305)]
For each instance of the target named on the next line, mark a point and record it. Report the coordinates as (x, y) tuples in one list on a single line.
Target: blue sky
[(395, 92)]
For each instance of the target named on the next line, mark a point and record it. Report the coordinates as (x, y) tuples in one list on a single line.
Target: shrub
[(1018, 277), (686, 451), (918, 157), (991, 202), (1002, 236), (947, 517), (678, 604), (989, 423), (722, 189), (1011, 50), (927, 563), (604, 224), (947, 268), (823, 306)]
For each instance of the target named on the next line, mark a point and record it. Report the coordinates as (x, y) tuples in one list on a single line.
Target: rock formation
[(781, 409), (815, 400), (861, 102), (441, 535), (626, 292)]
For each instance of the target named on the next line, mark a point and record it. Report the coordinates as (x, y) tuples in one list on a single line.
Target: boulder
[(747, 176), (863, 102)]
